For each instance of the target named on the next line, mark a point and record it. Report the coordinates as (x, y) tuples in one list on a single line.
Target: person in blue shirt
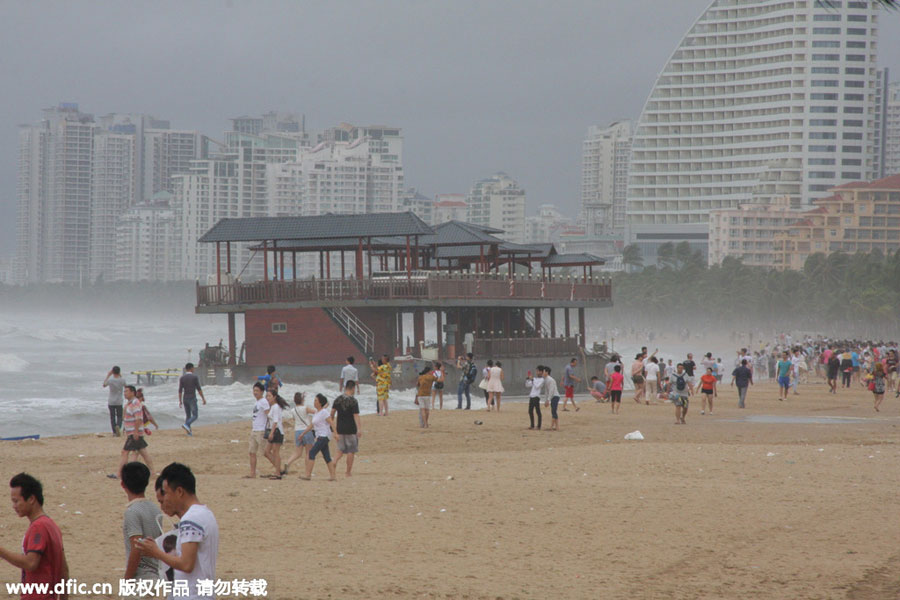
[(270, 378), (854, 357), (783, 370)]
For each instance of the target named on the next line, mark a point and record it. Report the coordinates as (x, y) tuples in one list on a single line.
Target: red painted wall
[(312, 338)]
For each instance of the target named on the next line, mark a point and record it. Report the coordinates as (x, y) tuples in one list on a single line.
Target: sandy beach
[(739, 504)]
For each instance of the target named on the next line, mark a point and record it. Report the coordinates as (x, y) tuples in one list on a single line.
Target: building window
[(857, 97), (279, 327), (822, 122)]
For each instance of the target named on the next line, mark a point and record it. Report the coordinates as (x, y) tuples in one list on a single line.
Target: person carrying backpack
[(680, 392), (468, 373)]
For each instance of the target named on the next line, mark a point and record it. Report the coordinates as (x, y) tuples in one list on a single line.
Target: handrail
[(489, 286)]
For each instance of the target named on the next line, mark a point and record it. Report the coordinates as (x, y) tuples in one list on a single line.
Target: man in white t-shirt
[(197, 548), (349, 372), (258, 425)]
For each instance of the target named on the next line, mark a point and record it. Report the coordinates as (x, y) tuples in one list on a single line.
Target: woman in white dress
[(495, 385)]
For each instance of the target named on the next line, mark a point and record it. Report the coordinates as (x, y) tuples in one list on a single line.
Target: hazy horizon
[(476, 87)]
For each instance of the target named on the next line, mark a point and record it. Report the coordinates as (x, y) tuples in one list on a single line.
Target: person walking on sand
[(742, 377), (535, 384), (275, 440), (569, 382), (651, 380), (347, 426), (349, 372), (437, 388), (116, 384), (197, 546), (637, 377), (783, 369), (133, 422), (708, 390), (495, 385), (258, 419), (551, 398), (614, 384), (322, 425), (188, 388), (424, 385), (43, 558), (142, 519), (680, 393), (483, 384), (467, 374), (382, 374), (877, 385), (302, 417), (832, 367)]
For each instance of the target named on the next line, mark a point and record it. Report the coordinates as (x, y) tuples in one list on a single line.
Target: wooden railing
[(516, 347), (434, 286)]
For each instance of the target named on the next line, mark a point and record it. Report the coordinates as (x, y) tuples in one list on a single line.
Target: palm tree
[(632, 257), (665, 255)]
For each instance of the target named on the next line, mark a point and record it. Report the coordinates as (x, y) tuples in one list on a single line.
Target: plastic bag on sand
[(634, 435)]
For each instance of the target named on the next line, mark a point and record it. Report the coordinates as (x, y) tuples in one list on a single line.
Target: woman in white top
[(437, 388), (495, 385), (321, 425), (652, 369), (302, 417), (485, 376), (276, 429)]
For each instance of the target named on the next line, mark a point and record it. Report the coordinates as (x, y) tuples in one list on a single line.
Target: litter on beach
[(634, 435)]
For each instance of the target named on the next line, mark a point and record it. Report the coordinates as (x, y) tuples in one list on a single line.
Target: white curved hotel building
[(762, 99)]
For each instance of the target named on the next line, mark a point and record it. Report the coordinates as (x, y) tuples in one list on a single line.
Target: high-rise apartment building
[(112, 193), (546, 226), (145, 236), (417, 203), (498, 202), (53, 221), (606, 154), (168, 152), (449, 207), (879, 125), (892, 131), (761, 99)]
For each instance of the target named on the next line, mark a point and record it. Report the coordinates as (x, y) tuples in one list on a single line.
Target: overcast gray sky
[(477, 86)]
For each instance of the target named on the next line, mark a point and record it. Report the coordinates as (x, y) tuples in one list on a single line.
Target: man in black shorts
[(347, 425)]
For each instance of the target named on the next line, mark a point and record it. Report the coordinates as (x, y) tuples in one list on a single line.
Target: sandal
[(274, 477), (305, 478)]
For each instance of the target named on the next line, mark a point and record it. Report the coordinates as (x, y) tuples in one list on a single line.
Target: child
[(551, 398), (437, 388), (598, 389), (148, 418), (614, 384), (302, 417)]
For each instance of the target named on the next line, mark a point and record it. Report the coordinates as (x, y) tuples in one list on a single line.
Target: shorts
[(134, 445), (438, 385), (570, 391), (637, 378), (308, 439), (320, 445), (277, 437), (256, 441), (679, 400), (554, 403), (785, 381), (348, 443), (615, 396), (707, 392)]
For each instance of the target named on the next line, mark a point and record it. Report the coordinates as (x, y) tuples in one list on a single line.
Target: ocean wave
[(10, 363), (67, 335)]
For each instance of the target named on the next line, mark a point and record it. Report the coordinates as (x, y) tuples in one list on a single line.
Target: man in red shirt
[(43, 559)]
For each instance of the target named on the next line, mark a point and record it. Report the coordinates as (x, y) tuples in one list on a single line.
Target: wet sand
[(777, 500)]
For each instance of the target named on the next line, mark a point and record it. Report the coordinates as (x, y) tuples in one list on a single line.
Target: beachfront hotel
[(760, 100), (605, 158), (857, 217)]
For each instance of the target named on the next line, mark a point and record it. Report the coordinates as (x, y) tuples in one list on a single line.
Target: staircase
[(529, 319), (355, 329)]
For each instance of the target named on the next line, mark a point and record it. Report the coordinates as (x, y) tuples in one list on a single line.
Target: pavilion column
[(265, 260), (328, 264), (398, 328), (321, 265), (408, 259), (418, 327), (568, 330), (294, 264), (359, 260), (218, 263), (282, 265), (440, 331), (537, 322), (581, 326), (553, 322), (343, 270), (228, 257), (232, 360)]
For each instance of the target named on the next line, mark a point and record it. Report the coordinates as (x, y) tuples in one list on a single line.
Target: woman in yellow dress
[(382, 374)]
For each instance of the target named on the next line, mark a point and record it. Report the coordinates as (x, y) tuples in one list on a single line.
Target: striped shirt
[(133, 419)]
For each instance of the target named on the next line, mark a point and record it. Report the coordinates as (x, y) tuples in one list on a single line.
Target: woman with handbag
[(877, 385)]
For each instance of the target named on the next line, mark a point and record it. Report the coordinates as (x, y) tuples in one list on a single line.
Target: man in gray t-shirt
[(116, 384), (142, 519)]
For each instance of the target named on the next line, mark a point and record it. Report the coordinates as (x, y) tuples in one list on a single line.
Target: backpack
[(680, 382), (472, 373)]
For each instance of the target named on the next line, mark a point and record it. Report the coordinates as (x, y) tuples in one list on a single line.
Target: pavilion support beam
[(440, 331), (568, 329), (359, 259), (228, 257), (321, 265), (343, 269), (553, 322), (282, 264), (265, 260), (294, 264), (418, 327), (328, 264), (408, 259), (232, 360), (581, 326), (218, 263), (537, 322)]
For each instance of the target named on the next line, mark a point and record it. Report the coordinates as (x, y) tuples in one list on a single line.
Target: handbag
[(872, 386), (483, 384)]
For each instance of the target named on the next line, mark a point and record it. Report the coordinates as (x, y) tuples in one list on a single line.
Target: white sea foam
[(10, 363)]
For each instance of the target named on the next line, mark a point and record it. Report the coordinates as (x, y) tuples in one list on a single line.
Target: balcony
[(434, 289)]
